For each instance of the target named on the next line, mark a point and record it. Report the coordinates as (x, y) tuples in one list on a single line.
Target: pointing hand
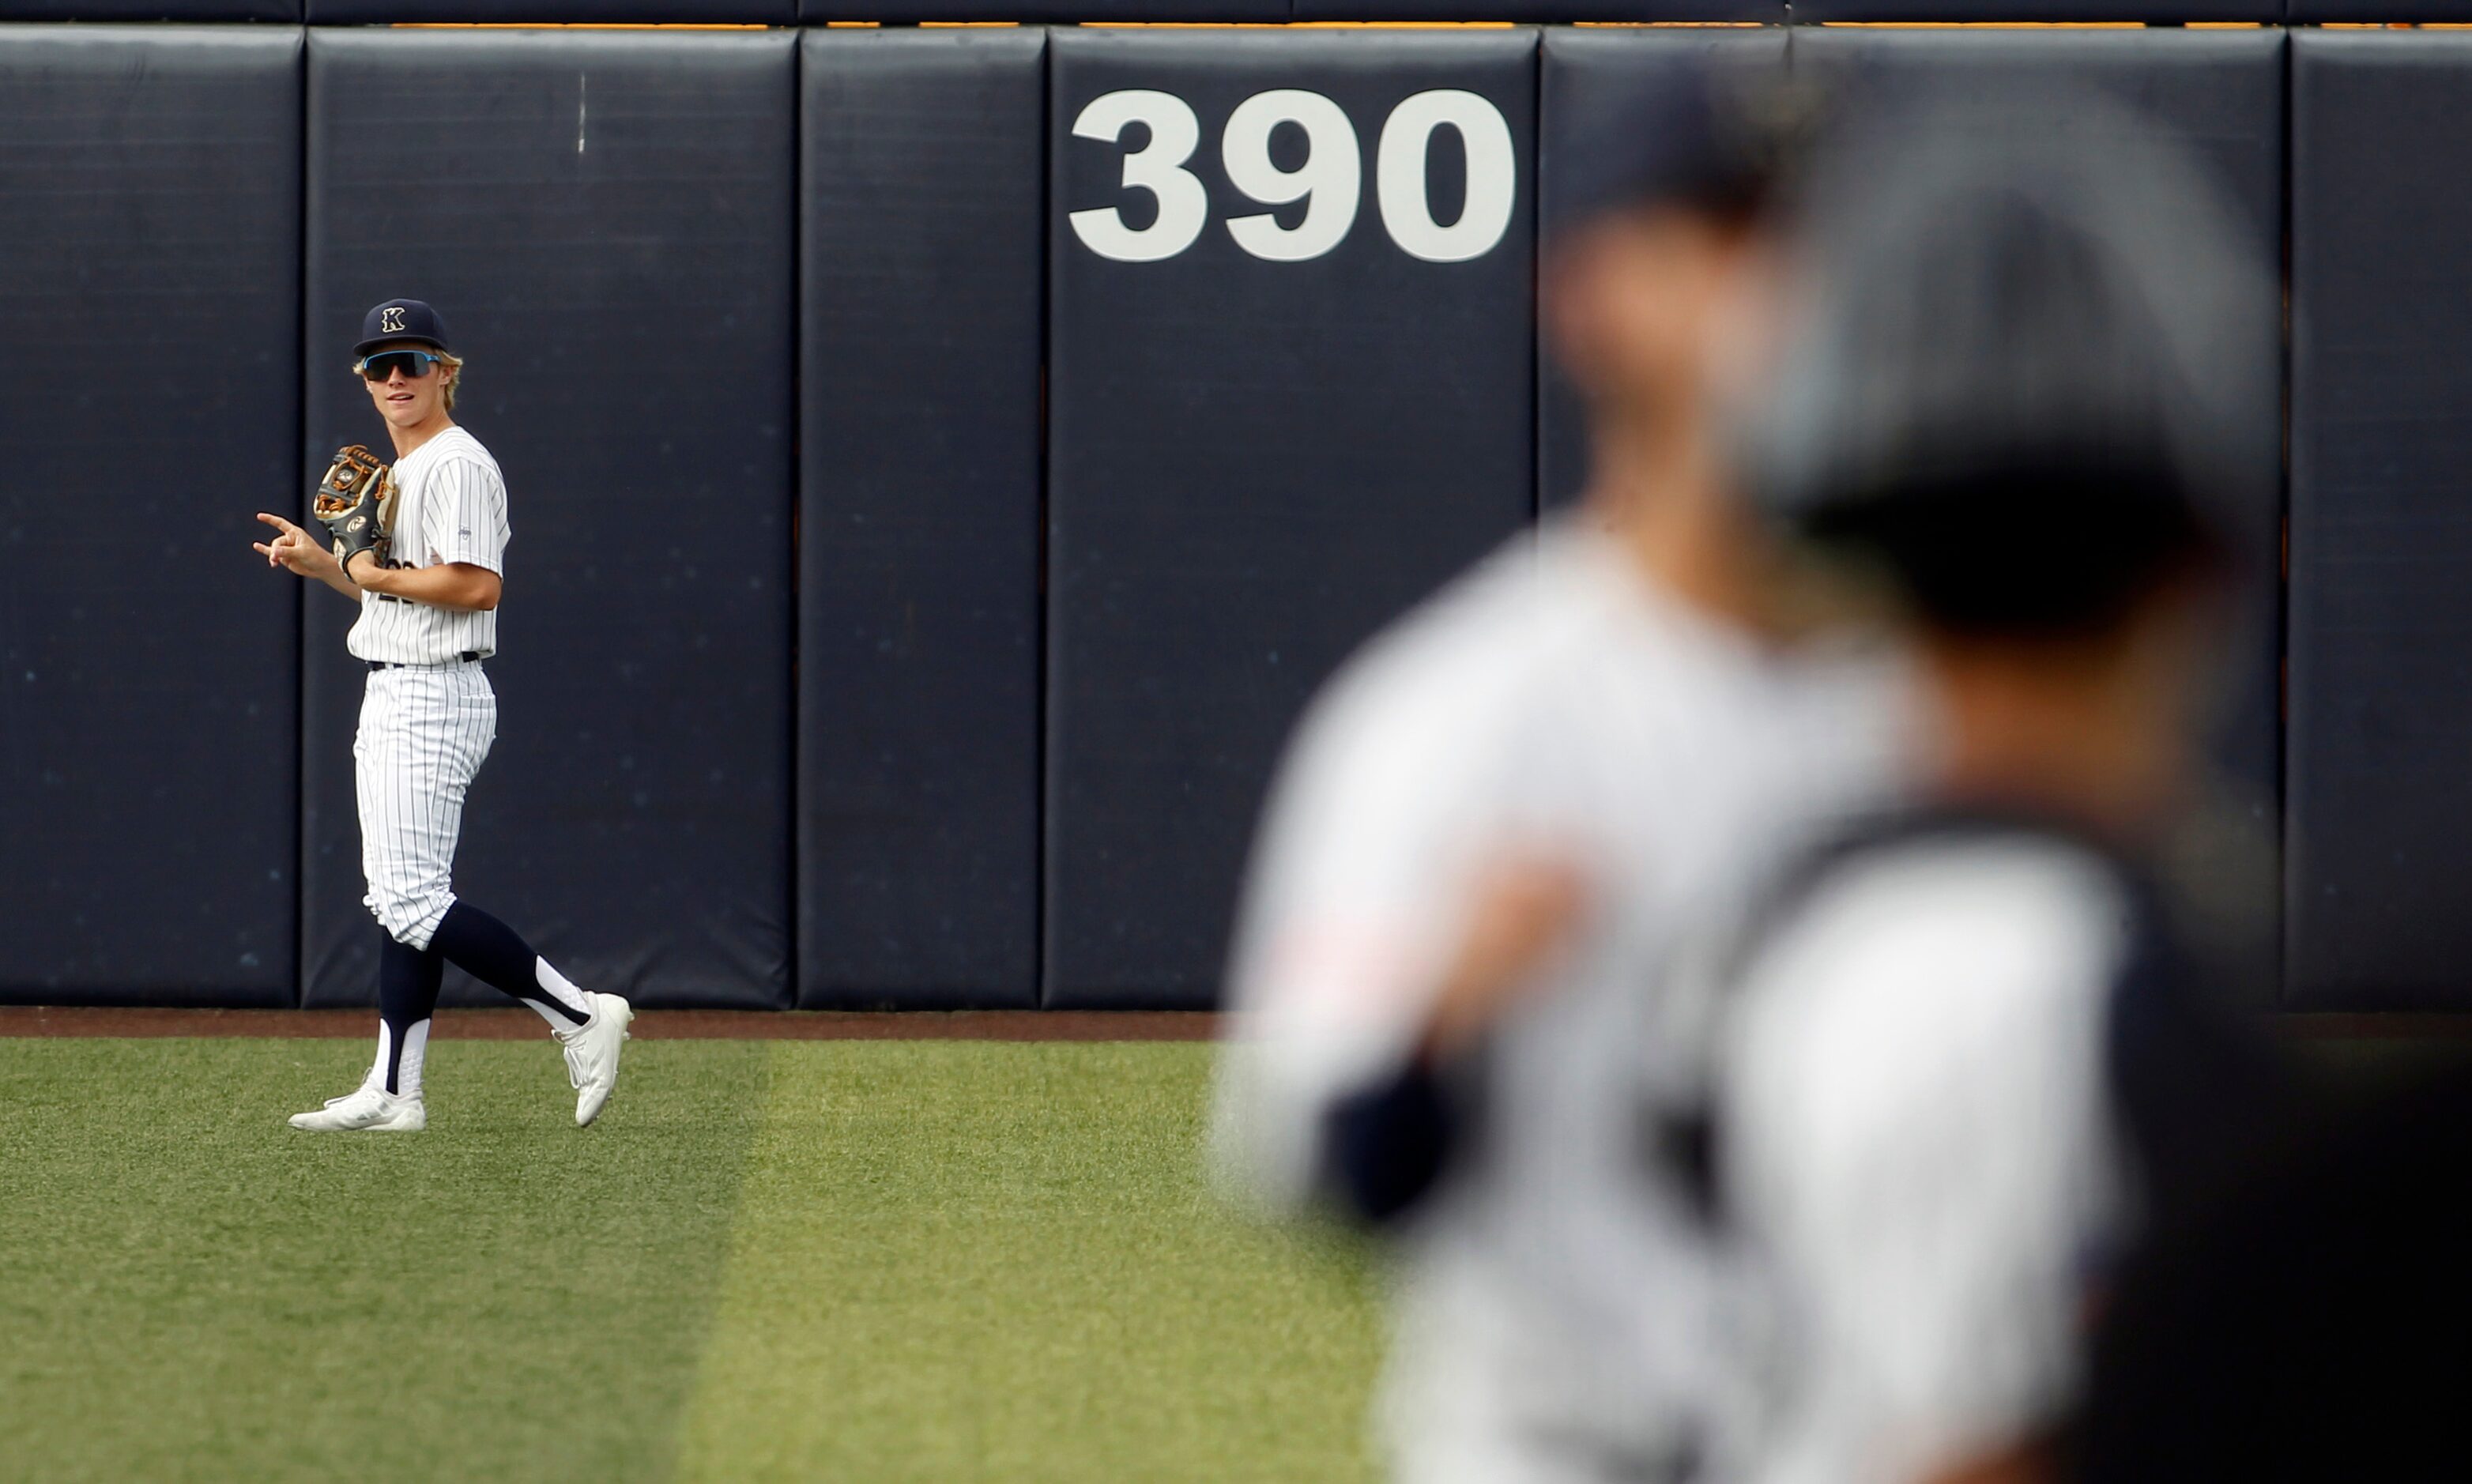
[(293, 548)]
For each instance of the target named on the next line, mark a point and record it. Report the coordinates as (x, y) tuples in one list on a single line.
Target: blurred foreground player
[(1491, 828), (1969, 1057), (428, 598), (2310, 1330)]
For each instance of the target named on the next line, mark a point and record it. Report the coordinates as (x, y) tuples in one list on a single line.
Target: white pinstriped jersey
[(450, 507), (1557, 1318), (1920, 1143)]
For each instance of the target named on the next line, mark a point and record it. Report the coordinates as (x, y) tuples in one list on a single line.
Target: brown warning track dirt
[(519, 1024), (516, 1025)]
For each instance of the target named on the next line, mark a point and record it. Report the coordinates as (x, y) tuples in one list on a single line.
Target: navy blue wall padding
[(2222, 92), (2379, 837), (149, 292), (1253, 465), (925, 176), (1578, 66), (604, 221)]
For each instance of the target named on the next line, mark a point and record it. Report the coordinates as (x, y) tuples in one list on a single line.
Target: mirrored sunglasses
[(413, 363)]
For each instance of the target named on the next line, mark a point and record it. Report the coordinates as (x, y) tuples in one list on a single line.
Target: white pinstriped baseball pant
[(424, 733)]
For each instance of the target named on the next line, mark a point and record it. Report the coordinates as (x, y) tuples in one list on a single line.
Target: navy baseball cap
[(1712, 137), (400, 320)]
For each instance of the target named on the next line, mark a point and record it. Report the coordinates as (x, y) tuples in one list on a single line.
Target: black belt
[(466, 658)]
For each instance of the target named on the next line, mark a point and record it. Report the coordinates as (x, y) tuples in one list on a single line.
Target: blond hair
[(454, 374)]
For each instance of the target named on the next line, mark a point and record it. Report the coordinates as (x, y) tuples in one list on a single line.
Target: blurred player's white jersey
[(1916, 1135), (1932, 1115), (1561, 1314)]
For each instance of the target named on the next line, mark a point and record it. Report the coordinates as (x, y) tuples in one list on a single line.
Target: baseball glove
[(355, 503)]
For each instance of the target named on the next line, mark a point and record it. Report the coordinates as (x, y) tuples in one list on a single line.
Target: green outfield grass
[(865, 1261)]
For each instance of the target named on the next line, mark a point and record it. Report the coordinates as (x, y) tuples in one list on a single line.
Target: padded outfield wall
[(944, 460)]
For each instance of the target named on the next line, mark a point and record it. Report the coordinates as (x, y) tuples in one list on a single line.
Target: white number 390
[(1330, 182)]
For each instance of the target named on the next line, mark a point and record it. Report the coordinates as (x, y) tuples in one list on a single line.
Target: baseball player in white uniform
[(1487, 832), (428, 618), (1970, 1050)]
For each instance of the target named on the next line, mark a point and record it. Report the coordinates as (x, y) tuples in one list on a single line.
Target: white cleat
[(371, 1108), (592, 1054)]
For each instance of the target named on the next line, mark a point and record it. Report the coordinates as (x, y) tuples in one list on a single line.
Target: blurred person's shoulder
[(1951, 928), (1905, 870)]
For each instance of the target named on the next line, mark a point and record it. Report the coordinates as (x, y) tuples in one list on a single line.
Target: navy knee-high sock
[(408, 980), (497, 955)]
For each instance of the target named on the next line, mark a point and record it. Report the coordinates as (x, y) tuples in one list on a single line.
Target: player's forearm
[(333, 576), (319, 563), (2029, 1461), (451, 585)]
